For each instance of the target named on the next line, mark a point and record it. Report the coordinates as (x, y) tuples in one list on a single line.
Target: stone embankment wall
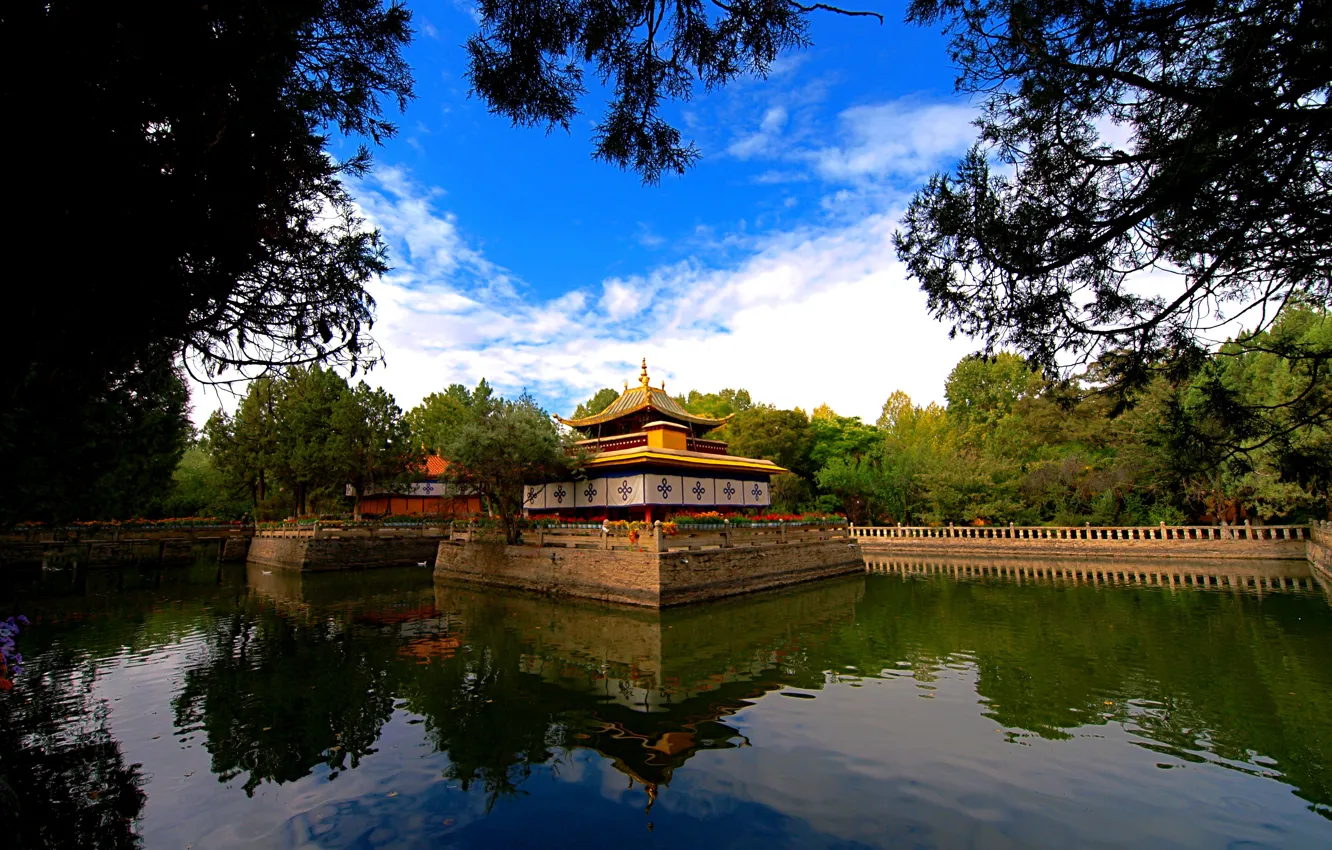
[(1320, 547), (314, 555), (1198, 542), (654, 579), (103, 548)]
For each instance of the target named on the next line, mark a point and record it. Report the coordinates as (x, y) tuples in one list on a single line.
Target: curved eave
[(676, 457), (602, 418), (648, 398)]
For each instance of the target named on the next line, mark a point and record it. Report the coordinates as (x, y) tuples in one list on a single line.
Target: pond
[(225, 706)]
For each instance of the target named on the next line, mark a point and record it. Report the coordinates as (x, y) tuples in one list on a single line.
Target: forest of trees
[(1230, 442), (1246, 436)]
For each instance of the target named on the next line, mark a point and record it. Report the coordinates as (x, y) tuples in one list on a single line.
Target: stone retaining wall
[(653, 579), (1320, 547), (99, 553), (311, 555)]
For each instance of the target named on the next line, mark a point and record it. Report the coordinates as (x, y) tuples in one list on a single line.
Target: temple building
[(649, 457), (431, 495)]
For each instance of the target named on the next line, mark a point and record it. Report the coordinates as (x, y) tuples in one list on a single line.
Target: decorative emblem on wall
[(699, 490), (590, 492), (729, 491), (532, 494), (429, 488), (756, 492), (664, 488), (625, 490), (560, 493)]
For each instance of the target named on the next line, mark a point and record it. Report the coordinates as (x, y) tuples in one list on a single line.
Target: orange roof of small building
[(435, 465), (642, 397)]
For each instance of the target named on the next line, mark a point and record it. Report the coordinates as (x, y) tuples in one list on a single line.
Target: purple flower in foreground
[(11, 661)]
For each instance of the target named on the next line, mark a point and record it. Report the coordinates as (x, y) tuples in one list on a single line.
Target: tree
[(781, 436), (599, 401), (199, 488), (1163, 170), (527, 61), (84, 445), (203, 129), (245, 448), (718, 404), (983, 390), (305, 462), (370, 442), (437, 418), (500, 446), (231, 215)]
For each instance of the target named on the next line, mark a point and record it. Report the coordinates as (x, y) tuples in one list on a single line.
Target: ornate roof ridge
[(643, 396)]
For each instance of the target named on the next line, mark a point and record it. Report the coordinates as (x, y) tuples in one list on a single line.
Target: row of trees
[(1246, 435), (297, 442)]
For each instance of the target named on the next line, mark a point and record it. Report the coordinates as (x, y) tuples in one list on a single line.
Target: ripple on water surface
[(218, 707)]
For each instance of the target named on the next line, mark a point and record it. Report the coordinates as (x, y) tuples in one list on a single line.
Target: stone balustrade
[(1088, 532), (333, 530), (1208, 541)]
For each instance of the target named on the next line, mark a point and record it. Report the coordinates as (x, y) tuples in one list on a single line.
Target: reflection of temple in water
[(661, 681), (1254, 576)]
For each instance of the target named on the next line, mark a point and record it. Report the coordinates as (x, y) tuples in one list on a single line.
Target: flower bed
[(716, 519), (330, 521)]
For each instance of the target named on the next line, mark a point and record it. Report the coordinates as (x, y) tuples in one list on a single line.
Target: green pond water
[(218, 706)]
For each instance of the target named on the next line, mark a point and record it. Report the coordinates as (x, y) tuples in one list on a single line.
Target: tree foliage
[(528, 62), (501, 445), (600, 400), (299, 440), (89, 445), (211, 122), (185, 147), (436, 420), (1163, 168)]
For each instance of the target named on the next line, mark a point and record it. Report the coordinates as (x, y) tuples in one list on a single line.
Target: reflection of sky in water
[(912, 753)]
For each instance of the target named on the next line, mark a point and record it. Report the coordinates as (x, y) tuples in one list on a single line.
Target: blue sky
[(769, 266)]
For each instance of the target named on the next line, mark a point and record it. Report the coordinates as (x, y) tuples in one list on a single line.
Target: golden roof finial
[(643, 378)]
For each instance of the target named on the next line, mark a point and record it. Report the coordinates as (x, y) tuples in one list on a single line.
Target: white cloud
[(763, 141), (899, 139), (811, 316), (819, 314)]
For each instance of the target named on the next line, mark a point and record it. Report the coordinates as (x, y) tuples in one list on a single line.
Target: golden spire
[(643, 378)]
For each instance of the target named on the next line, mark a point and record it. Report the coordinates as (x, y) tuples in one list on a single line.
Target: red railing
[(712, 447)]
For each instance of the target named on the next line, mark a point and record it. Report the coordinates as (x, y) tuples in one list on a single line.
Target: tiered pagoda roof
[(645, 398), (646, 426)]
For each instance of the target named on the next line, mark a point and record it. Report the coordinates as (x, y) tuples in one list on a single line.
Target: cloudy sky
[(770, 266)]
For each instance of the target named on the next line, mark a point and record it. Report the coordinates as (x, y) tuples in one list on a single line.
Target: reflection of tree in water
[(1198, 676), (63, 779), (277, 696)]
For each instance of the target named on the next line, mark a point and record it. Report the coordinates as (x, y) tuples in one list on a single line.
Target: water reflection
[(291, 680)]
